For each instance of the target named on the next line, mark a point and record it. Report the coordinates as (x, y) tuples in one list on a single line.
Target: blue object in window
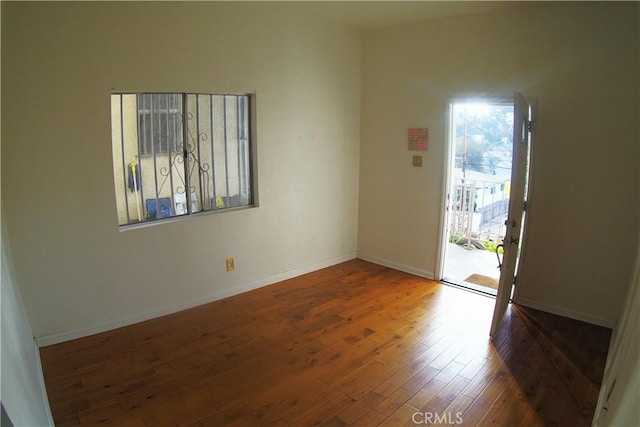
[(163, 210)]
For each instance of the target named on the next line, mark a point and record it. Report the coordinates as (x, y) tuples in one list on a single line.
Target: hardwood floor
[(353, 344)]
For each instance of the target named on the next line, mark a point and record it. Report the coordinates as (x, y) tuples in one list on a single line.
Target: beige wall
[(580, 61), (620, 390), (61, 62)]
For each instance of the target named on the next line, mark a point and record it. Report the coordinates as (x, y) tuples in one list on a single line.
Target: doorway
[(480, 159)]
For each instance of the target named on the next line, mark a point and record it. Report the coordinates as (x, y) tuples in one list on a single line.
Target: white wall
[(580, 61), (62, 61), (23, 395)]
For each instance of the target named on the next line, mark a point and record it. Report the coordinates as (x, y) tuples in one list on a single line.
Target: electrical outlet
[(230, 264)]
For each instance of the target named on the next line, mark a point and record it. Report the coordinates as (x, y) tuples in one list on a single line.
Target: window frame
[(248, 160)]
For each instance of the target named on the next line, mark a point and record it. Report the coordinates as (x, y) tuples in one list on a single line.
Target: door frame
[(448, 162)]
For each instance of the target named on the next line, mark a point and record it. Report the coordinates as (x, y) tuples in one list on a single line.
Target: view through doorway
[(481, 151)]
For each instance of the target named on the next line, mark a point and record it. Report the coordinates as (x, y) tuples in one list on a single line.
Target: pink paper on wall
[(418, 139)]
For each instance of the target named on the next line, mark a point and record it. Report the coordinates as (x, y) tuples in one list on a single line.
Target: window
[(159, 117), (178, 154)]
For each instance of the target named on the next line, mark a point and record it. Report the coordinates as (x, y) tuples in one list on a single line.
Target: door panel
[(512, 239)]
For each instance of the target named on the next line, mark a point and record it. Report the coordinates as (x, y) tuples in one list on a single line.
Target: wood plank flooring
[(353, 344)]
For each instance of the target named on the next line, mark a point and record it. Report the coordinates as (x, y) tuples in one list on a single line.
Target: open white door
[(512, 240)]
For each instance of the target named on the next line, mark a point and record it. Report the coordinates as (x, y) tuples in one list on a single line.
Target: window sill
[(159, 221)]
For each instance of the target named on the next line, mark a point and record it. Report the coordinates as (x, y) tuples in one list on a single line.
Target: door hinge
[(515, 279), (530, 125), (524, 206)]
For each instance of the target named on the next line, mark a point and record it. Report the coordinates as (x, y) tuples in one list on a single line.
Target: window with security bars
[(179, 154)]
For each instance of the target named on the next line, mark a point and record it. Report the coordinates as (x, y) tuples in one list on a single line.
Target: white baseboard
[(561, 311), (57, 338), (397, 266)]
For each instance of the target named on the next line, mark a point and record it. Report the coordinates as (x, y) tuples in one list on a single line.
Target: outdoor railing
[(478, 209)]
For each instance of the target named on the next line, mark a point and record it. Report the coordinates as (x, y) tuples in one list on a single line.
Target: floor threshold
[(472, 287)]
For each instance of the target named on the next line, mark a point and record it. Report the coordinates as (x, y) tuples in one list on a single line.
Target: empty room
[(274, 213)]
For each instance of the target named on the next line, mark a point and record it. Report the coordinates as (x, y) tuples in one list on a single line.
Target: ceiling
[(366, 15), (372, 14)]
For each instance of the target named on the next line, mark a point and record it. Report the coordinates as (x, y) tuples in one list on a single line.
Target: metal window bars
[(178, 154)]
